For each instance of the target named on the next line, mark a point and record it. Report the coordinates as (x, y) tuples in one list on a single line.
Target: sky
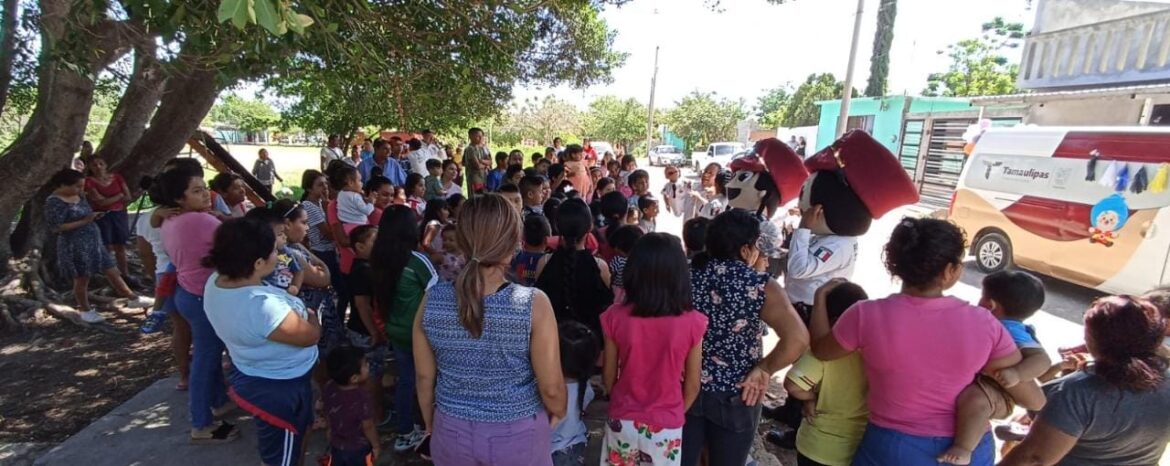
[(751, 45)]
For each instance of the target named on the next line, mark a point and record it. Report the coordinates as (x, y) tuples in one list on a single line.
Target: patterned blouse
[(731, 295)]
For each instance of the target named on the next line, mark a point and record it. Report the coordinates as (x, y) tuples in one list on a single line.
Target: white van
[(1086, 205)]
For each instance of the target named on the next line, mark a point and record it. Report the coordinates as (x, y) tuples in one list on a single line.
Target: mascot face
[(843, 212), (742, 190)]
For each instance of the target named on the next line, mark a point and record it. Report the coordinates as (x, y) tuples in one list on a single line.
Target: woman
[(728, 286), (231, 196), (270, 334), (107, 192), (401, 277), (1098, 415), (696, 195), (79, 249), (577, 284), (487, 355), (447, 180), (319, 235), (920, 349), (187, 238), (450, 152)]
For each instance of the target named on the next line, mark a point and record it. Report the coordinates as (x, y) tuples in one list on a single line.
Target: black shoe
[(772, 413), (785, 440)]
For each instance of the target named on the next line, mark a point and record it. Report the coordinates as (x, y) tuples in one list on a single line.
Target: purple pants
[(524, 442)]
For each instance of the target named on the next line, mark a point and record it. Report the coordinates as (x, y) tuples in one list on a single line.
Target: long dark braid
[(574, 221)]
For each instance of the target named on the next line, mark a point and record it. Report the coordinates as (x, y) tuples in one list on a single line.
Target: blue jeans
[(405, 400), (882, 446), (207, 387), (722, 423)]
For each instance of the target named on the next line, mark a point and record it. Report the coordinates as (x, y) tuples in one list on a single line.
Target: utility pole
[(843, 117), (650, 113)]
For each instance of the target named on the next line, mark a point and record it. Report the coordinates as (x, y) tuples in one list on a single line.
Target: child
[(532, 193), (633, 216), (717, 204), (834, 390), (434, 218), (622, 241), (536, 232), (613, 169), (229, 196), (542, 167), (434, 188), (649, 207), (495, 178), (353, 207), (653, 339), (673, 191), (513, 175), (605, 185), (639, 181), (451, 260), (695, 235), (353, 440), (628, 165), (576, 172), (416, 193), (511, 193), (366, 326), (454, 202), (288, 274), (1012, 297), (580, 349)]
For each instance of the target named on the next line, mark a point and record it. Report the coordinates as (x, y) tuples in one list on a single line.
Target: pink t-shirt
[(652, 355), (919, 353), (188, 238)]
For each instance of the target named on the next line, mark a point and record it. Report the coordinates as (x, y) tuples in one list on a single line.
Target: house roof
[(1029, 97)]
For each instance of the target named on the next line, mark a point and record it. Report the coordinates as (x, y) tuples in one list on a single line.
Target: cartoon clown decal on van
[(1107, 218)]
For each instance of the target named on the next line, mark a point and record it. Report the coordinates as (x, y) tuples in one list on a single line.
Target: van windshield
[(725, 150)]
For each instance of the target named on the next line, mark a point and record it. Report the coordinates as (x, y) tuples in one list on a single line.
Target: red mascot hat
[(781, 164), (871, 171)]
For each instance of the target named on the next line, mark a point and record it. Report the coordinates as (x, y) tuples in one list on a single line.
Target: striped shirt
[(316, 215), (490, 378)]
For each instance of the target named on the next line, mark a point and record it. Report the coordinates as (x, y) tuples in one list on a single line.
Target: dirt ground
[(58, 377)]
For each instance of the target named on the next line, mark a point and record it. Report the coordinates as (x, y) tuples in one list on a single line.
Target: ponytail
[(487, 231), (468, 285)]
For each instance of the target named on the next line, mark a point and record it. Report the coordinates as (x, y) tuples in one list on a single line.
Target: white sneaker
[(91, 316), (140, 302)]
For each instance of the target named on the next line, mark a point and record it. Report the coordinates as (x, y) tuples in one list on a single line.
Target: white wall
[(1112, 111), (1054, 15)]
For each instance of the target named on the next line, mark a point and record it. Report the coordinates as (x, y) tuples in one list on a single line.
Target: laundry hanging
[(1091, 173), (1109, 178), (1122, 178), (1141, 181), (1158, 184)]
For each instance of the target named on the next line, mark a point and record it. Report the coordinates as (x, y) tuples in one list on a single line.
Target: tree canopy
[(771, 106), (978, 66), (703, 117), (619, 121), (802, 109), (245, 114)]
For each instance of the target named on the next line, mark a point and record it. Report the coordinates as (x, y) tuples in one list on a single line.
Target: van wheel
[(993, 253)]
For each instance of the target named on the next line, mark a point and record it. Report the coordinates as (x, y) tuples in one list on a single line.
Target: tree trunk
[(186, 99), (64, 97), (135, 108), (883, 40), (7, 48)]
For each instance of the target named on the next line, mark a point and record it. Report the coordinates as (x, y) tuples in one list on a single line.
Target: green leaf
[(267, 17), (303, 21), (240, 12)]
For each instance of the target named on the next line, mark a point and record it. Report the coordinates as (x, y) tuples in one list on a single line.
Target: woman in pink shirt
[(653, 339), (920, 348), (187, 238)]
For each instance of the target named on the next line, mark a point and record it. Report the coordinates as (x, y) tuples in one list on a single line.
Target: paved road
[(1058, 323)]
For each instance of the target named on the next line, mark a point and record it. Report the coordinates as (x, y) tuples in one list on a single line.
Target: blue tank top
[(490, 378)]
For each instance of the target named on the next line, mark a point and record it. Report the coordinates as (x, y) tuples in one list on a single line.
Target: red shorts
[(165, 287)]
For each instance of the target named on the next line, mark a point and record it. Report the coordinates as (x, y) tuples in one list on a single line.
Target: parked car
[(665, 155), (1072, 203), (720, 152), (602, 147)]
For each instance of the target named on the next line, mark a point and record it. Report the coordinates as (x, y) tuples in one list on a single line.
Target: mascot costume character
[(762, 181)]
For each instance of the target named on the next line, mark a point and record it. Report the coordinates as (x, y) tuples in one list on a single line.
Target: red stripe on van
[(1120, 146), (1050, 218)]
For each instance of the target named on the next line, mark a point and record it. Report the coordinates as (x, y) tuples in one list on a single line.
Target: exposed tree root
[(24, 293)]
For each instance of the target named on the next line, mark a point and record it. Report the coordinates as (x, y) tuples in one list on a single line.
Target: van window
[(725, 149)]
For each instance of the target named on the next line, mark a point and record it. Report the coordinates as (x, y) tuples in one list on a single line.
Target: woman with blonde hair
[(486, 352)]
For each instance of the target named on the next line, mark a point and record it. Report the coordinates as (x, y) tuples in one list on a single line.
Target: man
[(332, 151), (382, 164), (590, 153), (398, 151), (792, 142), (431, 143), (367, 149), (419, 154), (477, 160)]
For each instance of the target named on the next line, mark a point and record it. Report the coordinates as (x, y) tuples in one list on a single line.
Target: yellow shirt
[(834, 434)]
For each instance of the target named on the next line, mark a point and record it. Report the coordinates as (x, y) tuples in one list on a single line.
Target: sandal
[(221, 434), (182, 386)]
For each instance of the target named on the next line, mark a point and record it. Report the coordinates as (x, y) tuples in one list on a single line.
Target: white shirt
[(154, 237), (331, 153), (353, 208), (418, 160), (814, 260)]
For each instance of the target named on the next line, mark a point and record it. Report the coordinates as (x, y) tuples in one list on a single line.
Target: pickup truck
[(719, 152)]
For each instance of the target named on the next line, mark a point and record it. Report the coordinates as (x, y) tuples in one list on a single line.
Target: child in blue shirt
[(495, 178), (289, 273)]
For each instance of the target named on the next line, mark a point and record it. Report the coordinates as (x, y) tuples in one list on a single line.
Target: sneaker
[(786, 440), (154, 322), (92, 317), (140, 302), (217, 433), (408, 442)]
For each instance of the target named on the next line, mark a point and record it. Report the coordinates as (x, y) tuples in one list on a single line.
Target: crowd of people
[(508, 298)]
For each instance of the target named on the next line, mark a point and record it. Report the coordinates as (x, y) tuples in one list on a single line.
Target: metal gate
[(944, 161), (911, 146)]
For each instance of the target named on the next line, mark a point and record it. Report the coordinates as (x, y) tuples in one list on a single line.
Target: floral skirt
[(631, 443)]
